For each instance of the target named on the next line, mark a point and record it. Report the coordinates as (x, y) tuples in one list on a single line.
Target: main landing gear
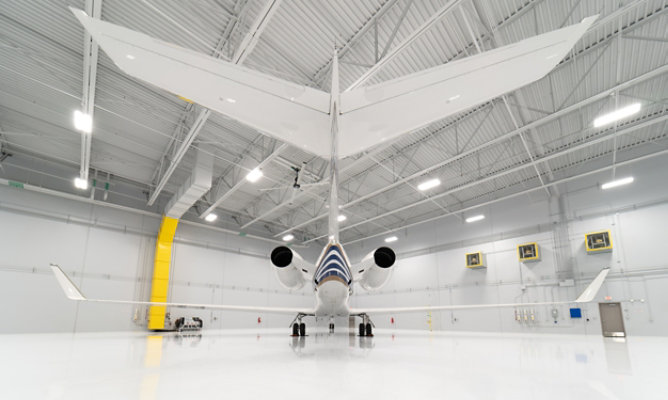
[(366, 326), (298, 327), (331, 324)]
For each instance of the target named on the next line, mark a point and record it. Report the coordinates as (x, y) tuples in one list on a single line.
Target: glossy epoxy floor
[(272, 365)]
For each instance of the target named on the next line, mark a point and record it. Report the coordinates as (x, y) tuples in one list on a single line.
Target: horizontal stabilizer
[(587, 296), (293, 113), (385, 111), (299, 115), (73, 293)]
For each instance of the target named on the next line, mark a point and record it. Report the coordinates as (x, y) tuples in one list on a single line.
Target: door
[(611, 319)]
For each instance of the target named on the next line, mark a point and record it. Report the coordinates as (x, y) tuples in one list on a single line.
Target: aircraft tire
[(295, 329), (302, 329), (361, 329), (369, 331)]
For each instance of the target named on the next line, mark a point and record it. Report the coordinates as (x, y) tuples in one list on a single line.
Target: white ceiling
[(479, 155)]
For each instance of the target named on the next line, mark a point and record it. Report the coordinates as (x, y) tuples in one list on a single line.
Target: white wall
[(109, 254), (431, 270)]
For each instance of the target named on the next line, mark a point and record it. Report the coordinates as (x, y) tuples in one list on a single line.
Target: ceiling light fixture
[(341, 218), (475, 218), (288, 237), (211, 217), (254, 175), (617, 182), (391, 239), (80, 183), (432, 183), (83, 122), (617, 115)]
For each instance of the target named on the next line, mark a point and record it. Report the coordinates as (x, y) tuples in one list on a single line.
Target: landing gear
[(298, 327), (366, 326), (331, 325)]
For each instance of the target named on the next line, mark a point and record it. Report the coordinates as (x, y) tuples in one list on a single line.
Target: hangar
[(179, 181)]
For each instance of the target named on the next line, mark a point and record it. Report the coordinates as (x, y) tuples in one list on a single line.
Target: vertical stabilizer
[(333, 160)]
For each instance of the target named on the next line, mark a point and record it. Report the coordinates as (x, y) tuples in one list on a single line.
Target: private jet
[(332, 125)]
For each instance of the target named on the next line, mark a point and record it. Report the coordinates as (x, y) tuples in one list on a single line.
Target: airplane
[(334, 125)]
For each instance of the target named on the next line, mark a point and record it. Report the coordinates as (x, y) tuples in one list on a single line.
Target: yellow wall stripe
[(160, 283)]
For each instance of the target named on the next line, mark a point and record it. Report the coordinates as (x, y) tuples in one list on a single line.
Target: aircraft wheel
[(369, 331), (361, 329), (302, 329), (295, 329)]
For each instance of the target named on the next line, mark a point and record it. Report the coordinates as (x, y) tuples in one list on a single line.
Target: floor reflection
[(323, 344), (617, 356)]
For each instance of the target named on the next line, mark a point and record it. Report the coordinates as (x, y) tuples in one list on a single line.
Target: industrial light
[(80, 183), (617, 115), (83, 122), (391, 239), (341, 218), (288, 237), (211, 217), (432, 183), (254, 175), (617, 182), (475, 218)]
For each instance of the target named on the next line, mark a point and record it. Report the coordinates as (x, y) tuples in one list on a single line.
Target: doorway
[(612, 321)]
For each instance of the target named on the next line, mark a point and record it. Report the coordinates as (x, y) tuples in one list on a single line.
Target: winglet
[(593, 288), (71, 291)]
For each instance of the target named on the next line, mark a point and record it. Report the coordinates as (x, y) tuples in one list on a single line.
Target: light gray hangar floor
[(267, 364)]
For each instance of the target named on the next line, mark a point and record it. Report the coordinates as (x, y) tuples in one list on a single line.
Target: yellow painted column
[(160, 283)]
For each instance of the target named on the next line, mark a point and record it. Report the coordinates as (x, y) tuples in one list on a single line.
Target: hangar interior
[(533, 162)]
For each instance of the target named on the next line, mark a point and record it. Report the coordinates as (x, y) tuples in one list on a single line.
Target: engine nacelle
[(288, 266), (375, 269)]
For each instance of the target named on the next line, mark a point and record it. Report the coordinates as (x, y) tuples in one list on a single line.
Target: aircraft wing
[(587, 296), (382, 112), (73, 293), (292, 113)]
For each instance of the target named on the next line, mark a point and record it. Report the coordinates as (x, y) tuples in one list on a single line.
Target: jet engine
[(290, 267), (375, 269)]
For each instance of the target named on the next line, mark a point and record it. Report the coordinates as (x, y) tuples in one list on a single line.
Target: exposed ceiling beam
[(243, 51), (242, 181), (511, 196), (364, 156), (504, 172), (502, 138), (405, 43), (94, 9)]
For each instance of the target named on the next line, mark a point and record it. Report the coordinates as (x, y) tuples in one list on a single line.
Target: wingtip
[(592, 290), (80, 15), (69, 288), (590, 20)]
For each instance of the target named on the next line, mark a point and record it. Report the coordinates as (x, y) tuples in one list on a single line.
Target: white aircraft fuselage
[(332, 282)]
